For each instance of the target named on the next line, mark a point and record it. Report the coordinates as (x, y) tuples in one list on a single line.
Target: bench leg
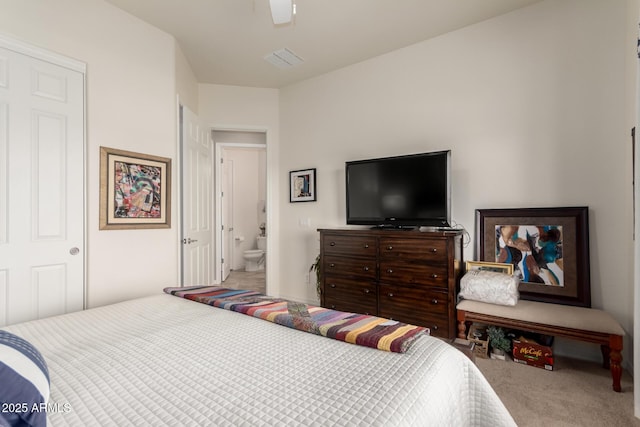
[(462, 326), (615, 360), (606, 356)]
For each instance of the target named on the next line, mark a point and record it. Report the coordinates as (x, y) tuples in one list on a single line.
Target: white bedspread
[(165, 360)]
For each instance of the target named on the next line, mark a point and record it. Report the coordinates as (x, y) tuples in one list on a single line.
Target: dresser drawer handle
[(332, 244), (390, 294), (366, 291), (366, 246), (332, 265), (365, 268), (435, 327), (434, 301), (390, 271), (434, 250), (333, 285), (389, 248), (434, 276), (333, 307)]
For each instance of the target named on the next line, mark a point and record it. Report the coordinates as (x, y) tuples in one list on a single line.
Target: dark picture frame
[(548, 247), (302, 185), (135, 190)]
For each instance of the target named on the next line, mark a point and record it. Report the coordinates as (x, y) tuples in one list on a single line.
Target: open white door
[(197, 212), (226, 202), (41, 188)]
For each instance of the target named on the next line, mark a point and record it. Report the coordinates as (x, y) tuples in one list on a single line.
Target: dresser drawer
[(339, 287), (405, 299), (349, 245), (366, 305), (395, 271), (438, 325), (423, 249), (351, 267)]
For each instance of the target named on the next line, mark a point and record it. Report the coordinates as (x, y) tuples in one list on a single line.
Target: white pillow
[(489, 286)]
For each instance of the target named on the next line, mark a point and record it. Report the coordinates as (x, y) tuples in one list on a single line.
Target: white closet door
[(41, 188)]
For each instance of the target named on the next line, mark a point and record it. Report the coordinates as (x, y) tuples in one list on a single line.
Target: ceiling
[(226, 41)]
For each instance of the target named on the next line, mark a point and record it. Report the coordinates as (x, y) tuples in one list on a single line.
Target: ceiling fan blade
[(281, 11)]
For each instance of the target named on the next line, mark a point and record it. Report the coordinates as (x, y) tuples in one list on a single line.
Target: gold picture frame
[(497, 267), (135, 190)]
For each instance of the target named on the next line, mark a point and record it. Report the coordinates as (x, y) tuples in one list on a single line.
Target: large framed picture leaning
[(548, 248)]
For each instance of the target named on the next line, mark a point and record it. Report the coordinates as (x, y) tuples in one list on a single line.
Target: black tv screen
[(402, 191)]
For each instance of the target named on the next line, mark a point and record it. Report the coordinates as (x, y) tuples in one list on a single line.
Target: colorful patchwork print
[(360, 329)]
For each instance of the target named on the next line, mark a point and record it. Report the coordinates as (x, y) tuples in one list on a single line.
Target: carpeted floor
[(575, 393)]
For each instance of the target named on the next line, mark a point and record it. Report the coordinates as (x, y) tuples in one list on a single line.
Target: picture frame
[(135, 190), (302, 185), (497, 267), (548, 248)]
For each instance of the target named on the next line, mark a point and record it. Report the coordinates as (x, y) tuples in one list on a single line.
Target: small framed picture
[(135, 190), (497, 267), (302, 185)]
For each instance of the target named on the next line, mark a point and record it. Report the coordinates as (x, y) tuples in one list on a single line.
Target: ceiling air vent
[(284, 58)]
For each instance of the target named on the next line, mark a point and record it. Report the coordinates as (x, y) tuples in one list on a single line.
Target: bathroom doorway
[(241, 209)]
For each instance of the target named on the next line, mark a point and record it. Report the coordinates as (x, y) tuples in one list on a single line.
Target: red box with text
[(532, 354)]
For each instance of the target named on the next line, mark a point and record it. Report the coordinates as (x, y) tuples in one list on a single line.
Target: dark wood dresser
[(405, 275)]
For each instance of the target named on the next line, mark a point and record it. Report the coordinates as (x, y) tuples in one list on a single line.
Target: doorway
[(241, 208)]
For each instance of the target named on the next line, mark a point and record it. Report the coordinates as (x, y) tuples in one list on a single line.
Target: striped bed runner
[(360, 329)]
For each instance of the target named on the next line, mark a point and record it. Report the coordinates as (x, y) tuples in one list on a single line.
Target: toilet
[(255, 258)]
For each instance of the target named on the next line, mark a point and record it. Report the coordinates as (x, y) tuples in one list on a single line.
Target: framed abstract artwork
[(548, 248), (302, 185), (135, 190)]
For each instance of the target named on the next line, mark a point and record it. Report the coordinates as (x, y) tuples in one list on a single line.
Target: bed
[(166, 360)]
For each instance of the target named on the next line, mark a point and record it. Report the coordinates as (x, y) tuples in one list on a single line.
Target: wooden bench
[(578, 323)]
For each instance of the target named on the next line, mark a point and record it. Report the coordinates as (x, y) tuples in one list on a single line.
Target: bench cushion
[(567, 316)]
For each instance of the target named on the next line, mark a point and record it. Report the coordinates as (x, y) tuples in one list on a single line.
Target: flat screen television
[(400, 192)]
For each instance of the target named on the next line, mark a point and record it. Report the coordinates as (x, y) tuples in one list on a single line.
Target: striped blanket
[(361, 329)]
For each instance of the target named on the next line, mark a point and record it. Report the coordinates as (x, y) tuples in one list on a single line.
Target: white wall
[(254, 109), (186, 82), (533, 106), (130, 105)]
